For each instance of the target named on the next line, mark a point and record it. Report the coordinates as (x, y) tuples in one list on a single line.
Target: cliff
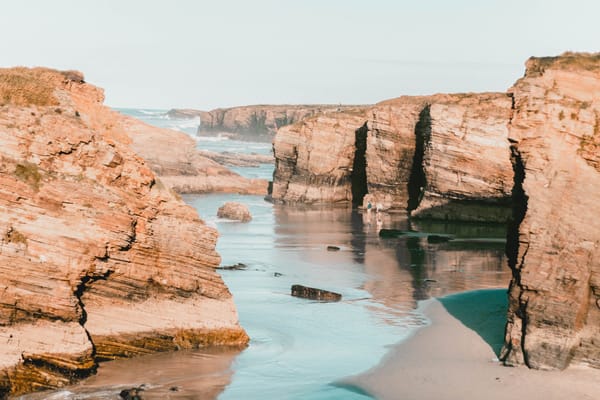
[(258, 122), (442, 156), (554, 244), (173, 156), (531, 157), (98, 260)]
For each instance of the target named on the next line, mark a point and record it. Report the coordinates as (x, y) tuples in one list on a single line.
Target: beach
[(447, 360)]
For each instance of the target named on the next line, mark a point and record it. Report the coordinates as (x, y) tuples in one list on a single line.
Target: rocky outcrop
[(258, 122), (238, 159), (183, 113), (235, 211), (442, 156), (173, 156), (314, 159), (554, 244), (98, 260)]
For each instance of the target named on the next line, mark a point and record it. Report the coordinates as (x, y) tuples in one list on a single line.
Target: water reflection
[(200, 374)]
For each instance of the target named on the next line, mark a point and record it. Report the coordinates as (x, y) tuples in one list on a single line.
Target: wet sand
[(447, 360)]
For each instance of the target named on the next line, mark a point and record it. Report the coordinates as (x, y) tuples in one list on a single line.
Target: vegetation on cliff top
[(567, 61), (24, 87)]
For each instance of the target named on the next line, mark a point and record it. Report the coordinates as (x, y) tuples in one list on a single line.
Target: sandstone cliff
[(442, 156), (258, 122), (533, 153), (173, 156), (98, 260), (554, 245)]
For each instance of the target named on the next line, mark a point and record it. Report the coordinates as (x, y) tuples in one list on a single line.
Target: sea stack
[(98, 260), (554, 243)]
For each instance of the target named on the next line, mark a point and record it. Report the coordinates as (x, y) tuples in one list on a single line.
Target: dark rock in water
[(277, 274), (132, 394), (314, 293), (236, 267), (438, 238), (174, 389), (333, 248), (392, 233)]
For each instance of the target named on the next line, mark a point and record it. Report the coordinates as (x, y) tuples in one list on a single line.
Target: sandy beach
[(447, 360)]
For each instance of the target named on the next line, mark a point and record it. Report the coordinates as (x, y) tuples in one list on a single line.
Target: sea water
[(303, 349)]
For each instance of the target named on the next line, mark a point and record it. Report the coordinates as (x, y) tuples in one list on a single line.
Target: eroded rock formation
[(442, 156), (258, 122), (173, 156), (554, 252), (98, 260)]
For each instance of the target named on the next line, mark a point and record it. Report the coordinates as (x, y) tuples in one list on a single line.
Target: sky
[(221, 53)]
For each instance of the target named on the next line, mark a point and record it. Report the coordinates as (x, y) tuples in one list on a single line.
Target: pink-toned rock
[(554, 245), (235, 211), (97, 259), (173, 156), (442, 156)]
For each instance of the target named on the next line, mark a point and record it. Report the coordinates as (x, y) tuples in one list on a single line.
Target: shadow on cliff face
[(417, 180), (359, 167), (517, 306)]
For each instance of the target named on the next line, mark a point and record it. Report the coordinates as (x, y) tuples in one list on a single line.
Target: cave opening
[(417, 180), (359, 166)]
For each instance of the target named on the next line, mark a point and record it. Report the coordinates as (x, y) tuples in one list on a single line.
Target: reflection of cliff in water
[(398, 271), (475, 260)]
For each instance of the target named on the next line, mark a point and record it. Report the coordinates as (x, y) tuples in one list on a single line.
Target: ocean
[(303, 349)]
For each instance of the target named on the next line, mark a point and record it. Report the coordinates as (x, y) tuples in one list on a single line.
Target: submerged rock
[(314, 293), (238, 266), (235, 211)]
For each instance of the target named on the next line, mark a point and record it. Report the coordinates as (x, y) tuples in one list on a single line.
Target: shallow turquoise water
[(299, 348)]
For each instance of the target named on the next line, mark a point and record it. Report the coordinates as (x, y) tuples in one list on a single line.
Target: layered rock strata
[(554, 244), (98, 260), (442, 156), (173, 156), (257, 122)]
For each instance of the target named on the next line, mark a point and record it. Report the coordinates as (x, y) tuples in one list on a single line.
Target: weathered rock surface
[(237, 159), (442, 156), (314, 158), (258, 122), (235, 211), (97, 259), (554, 245), (174, 158)]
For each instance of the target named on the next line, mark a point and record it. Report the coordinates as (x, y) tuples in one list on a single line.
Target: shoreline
[(447, 360)]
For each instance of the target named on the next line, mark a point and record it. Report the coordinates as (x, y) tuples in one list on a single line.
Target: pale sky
[(206, 54)]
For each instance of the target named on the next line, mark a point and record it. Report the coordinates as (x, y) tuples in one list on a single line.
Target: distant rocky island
[(256, 122), (529, 157)]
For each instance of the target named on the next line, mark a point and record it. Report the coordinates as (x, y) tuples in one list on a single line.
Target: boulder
[(235, 211)]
